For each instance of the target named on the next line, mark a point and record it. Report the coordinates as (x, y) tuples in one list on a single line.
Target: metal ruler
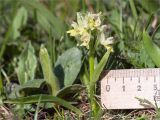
[(119, 88)]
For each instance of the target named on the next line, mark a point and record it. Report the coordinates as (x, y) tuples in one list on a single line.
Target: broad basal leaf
[(68, 66), (27, 64)]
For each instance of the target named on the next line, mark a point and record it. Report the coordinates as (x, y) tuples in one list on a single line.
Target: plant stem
[(93, 102), (91, 89), (91, 64)]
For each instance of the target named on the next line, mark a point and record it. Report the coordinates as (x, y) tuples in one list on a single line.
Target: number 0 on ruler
[(120, 88)]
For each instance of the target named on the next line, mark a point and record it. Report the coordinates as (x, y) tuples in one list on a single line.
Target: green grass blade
[(57, 24), (44, 98), (150, 6), (49, 76), (1, 83), (152, 49), (19, 20), (5, 41), (99, 115), (133, 8), (36, 113), (8, 33)]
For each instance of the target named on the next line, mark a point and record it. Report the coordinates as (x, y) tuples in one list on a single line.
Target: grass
[(34, 23)]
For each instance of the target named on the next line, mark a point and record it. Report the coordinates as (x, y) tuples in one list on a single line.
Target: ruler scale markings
[(139, 79), (123, 80), (120, 94), (154, 79)]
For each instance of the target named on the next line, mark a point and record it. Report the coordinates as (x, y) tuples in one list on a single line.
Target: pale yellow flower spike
[(93, 20), (85, 40), (84, 26), (72, 32), (107, 43)]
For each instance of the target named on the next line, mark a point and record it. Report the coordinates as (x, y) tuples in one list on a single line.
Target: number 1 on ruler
[(119, 88)]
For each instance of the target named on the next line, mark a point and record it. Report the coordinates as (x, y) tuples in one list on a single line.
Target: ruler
[(121, 88)]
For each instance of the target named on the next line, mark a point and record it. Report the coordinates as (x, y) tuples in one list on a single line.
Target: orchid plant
[(89, 33)]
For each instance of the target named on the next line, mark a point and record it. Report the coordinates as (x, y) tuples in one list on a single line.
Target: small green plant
[(90, 33), (31, 90), (147, 104)]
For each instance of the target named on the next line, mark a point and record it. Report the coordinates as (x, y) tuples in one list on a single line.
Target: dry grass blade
[(5, 114)]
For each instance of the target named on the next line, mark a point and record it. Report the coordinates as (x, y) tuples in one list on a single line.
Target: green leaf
[(20, 20), (46, 15), (1, 90), (99, 114), (115, 19), (84, 76), (36, 83), (144, 58), (7, 33), (43, 22), (27, 64), (1, 84), (152, 49), (49, 76), (37, 109), (150, 5), (68, 66), (44, 99), (99, 68), (70, 90), (133, 8), (31, 87)]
